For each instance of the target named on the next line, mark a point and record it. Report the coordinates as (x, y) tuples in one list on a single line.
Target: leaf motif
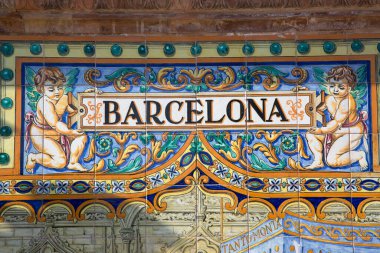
[(132, 166), (115, 152), (196, 145), (72, 76), (158, 154), (33, 106), (30, 75), (235, 154), (146, 138), (126, 153), (171, 143), (272, 71), (319, 75), (111, 165), (259, 164), (152, 77), (268, 151), (361, 74), (221, 142), (33, 97), (121, 72), (30, 88), (122, 139), (360, 90)]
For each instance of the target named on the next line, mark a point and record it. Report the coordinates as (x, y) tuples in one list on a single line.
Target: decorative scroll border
[(266, 178)]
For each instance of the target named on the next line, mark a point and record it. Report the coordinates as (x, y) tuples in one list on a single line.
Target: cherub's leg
[(38, 142), (315, 143), (343, 152), (77, 148), (51, 155)]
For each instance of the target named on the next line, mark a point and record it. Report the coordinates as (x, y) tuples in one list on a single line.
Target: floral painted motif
[(4, 187), (104, 144), (172, 171), (331, 184), (236, 179), (62, 187), (100, 187), (350, 184), (294, 185), (118, 186), (156, 180), (221, 171), (43, 187), (274, 185)]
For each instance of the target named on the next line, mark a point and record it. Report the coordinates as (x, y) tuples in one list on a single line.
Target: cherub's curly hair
[(44, 74), (342, 72)]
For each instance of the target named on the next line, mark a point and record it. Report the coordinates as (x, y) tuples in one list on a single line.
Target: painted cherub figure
[(58, 146), (338, 140)]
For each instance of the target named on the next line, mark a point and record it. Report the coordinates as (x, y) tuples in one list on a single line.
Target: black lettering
[(210, 112), (258, 110), (168, 112), (134, 114), (191, 111), (279, 112), (241, 110), (108, 112), (150, 115)]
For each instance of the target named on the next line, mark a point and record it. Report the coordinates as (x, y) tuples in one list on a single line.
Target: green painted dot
[(275, 48), (143, 50), (89, 49), (196, 49), (116, 50), (63, 49), (7, 49), (248, 49), (4, 158), (329, 47), (169, 49), (223, 49), (6, 74), (7, 103), (5, 131), (35, 48), (357, 46), (303, 48)]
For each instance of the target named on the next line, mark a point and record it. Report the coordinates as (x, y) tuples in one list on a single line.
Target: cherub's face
[(53, 91), (339, 89)]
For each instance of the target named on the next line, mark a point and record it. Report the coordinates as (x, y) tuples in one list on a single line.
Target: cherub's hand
[(77, 132), (315, 130), (94, 90)]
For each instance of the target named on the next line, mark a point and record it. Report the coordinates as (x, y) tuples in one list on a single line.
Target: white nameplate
[(188, 111)]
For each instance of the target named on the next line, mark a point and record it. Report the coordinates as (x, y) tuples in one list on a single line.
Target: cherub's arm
[(341, 116), (51, 117)]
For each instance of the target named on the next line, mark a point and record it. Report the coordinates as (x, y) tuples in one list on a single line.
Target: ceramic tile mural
[(240, 146)]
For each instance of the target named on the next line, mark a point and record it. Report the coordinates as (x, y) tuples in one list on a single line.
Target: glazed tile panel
[(273, 145)]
